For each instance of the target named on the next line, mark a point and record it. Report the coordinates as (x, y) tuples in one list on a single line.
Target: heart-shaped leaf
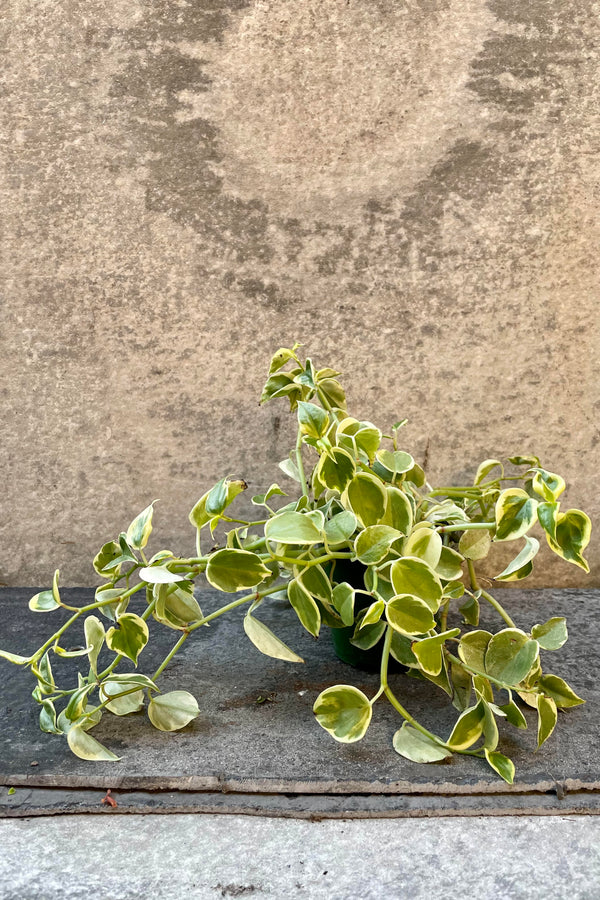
[(344, 712), (172, 711), (128, 637)]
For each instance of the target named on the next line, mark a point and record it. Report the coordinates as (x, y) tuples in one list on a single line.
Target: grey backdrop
[(409, 187)]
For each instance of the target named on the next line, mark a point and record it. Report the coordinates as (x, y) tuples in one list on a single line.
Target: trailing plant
[(364, 501)]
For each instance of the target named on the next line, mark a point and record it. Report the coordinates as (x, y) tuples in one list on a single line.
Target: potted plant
[(368, 549)]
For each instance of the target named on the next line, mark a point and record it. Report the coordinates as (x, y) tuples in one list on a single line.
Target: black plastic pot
[(367, 660)]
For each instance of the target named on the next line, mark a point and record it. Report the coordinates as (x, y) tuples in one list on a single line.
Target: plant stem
[(497, 606), (324, 401), (205, 619), (311, 562), (385, 656), (473, 671), (300, 464), (80, 611), (499, 609), (465, 526)]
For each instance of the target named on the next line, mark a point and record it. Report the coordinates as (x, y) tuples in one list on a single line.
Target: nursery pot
[(367, 660)]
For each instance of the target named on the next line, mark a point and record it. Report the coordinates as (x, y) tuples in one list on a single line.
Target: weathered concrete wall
[(406, 186)]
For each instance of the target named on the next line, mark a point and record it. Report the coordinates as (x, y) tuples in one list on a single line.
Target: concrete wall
[(406, 186)]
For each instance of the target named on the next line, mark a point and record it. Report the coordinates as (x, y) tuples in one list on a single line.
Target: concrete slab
[(214, 856), (242, 746)]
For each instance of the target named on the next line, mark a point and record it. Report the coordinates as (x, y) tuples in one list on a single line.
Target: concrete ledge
[(271, 758)]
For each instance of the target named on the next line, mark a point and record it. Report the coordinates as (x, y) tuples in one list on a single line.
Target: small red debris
[(108, 800)]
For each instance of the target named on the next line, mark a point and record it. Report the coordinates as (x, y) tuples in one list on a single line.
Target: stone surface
[(408, 188), (256, 732), (217, 856)]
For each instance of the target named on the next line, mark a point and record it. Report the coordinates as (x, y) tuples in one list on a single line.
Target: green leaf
[(485, 468), (262, 499), (510, 656), (414, 576), (162, 554), (126, 556), (468, 728), (547, 716), (473, 647), (516, 512), (548, 485), (409, 615), (267, 642), (76, 706), (312, 419), (524, 461), (15, 658), (373, 614), (48, 718), (490, 728), (367, 498), (116, 606), (175, 607), (552, 634), (559, 691), (283, 384), (470, 611), (547, 514), (104, 561), (128, 637), (341, 527), (336, 469), (449, 567), (368, 439), (411, 744), (344, 712), (43, 602), (316, 582), (367, 637), (446, 513), (416, 475), (198, 515), (401, 650), (475, 544), (573, 532), (398, 511), (425, 544), (501, 764), (140, 529), (454, 590), (333, 391), (131, 678), (293, 528), (343, 602), (85, 746), (282, 356), (305, 607), (55, 592), (390, 463), (94, 639), (159, 575), (461, 686), (289, 468), (172, 711), (429, 651), (306, 376), (514, 715), (521, 565), (372, 545), (123, 703), (44, 674), (232, 570)]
